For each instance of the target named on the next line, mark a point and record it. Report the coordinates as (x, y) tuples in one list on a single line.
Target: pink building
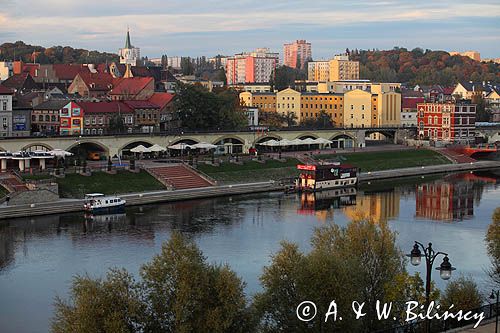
[(296, 52), (253, 67)]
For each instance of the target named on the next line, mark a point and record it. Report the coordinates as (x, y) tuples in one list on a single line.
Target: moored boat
[(98, 203), (326, 176)]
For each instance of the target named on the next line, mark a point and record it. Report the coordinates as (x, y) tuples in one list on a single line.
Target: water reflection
[(38, 256)]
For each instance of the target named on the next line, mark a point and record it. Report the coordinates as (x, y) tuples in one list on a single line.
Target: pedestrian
[(7, 199)]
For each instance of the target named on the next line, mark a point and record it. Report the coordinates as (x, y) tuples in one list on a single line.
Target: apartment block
[(296, 53), (318, 71), (313, 103), (253, 67), (341, 68)]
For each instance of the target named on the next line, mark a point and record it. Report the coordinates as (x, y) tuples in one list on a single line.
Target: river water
[(39, 256)]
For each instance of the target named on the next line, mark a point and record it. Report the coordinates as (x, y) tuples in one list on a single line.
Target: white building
[(5, 112), (174, 62), (252, 67), (129, 55)]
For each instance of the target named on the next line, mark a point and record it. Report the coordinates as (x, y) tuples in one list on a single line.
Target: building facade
[(288, 102), (296, 54), (360, 108), (71, 119), (5, 111), (313, 103), (99, 118), (318, 71), (253, 67), (45, 117), (341, 68), (448, 122)]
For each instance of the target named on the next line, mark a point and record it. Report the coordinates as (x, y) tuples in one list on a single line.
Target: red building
[(454, 123)]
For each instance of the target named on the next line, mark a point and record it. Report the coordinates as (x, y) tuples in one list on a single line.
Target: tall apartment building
[(296, 53), (253, 67), (318, 71), (446, 122), (341, 68)]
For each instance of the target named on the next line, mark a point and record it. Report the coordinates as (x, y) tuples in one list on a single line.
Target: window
[(352, 107), (47, 118), (40, 118), (4, 105)]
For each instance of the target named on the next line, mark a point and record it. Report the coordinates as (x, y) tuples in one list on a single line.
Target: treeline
[(53, 55), (422, 67), (179, 291)]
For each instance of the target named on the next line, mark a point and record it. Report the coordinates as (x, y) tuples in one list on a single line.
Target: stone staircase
[(12, 182), (179, 176)]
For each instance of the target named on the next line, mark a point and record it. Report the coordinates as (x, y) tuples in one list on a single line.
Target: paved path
[(488, 328)]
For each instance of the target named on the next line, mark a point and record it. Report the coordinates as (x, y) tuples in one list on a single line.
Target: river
[(39, 255)]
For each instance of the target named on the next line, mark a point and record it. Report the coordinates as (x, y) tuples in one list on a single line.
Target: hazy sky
[(208, 27)]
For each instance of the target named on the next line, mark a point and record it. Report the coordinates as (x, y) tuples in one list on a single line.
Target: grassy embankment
[(386, 160), (76, 186), (251, 171), (369, 161)]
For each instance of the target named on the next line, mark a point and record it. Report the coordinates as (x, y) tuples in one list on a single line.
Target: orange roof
[(130, 86), (161, 99), (105, 107)]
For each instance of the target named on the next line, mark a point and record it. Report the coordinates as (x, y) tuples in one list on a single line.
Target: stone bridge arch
[(342, 140), (86, 149), (125, 149), (307, 135), (37, 146), (230, 144)]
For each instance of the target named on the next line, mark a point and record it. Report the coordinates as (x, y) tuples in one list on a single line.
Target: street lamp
[(492, 296), (430, 255)]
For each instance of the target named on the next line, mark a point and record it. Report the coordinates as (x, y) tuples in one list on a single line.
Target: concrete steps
[(179, 177)]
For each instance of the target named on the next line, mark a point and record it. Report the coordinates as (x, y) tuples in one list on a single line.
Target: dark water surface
[(39, 256)]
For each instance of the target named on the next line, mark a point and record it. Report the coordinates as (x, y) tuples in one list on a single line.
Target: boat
[(311, 202), (317, 177), (98, 203)]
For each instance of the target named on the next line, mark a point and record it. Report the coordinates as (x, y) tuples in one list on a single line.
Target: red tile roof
[(20, 81), (448, 90), (141, 105), (98, 81), (5, 90), (161, 99), (30, 68), (105, 107), (411, 102), (69, 71), (130, 86)]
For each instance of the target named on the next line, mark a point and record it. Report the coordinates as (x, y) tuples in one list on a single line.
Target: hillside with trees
[(422, 67), (52, 55)]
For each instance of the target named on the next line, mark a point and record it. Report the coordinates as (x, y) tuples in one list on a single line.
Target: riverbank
[(72, 205)]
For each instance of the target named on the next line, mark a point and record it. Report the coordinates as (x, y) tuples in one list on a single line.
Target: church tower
[(129, 55)]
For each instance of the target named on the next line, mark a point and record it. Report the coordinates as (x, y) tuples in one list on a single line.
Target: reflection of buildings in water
[(322, 203), (7, 240), (379, 206), (451, 199)]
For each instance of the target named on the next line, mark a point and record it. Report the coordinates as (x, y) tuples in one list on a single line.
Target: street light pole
[(430, 255), (492, 296)]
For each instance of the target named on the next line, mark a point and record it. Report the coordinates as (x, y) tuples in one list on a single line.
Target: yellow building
[(265, 101), (388, 110), (311, 105), (288, 101), (341, 68), (318, 71), (359, 108)]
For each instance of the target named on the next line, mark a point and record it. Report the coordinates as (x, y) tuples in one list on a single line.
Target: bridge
[(229, 141)]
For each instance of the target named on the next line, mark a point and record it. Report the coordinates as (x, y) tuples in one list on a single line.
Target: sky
[(209, 27)]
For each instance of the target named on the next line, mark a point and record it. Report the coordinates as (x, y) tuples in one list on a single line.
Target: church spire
[(128, 45)]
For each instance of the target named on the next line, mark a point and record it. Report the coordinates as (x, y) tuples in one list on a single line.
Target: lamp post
[(492, 296), (430, 255)]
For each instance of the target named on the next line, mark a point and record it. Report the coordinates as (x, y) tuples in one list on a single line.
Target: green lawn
[(76, 186), (385, 160), (37, 177), (251, 171)]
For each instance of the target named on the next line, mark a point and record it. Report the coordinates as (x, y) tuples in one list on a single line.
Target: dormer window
[(92, 85)]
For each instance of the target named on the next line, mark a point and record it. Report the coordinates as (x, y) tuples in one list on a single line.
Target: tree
[(463, 293), (185, 294), (106, 305), (322, 121), (179, 292), (493, 247), (290, 119), (116, 124), (284, 78), (358, 262)]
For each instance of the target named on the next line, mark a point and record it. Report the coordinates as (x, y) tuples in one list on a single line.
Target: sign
[(306, 167), (345, 175)]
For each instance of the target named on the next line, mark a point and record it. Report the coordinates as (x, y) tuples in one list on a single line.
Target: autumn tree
[(493, 247)]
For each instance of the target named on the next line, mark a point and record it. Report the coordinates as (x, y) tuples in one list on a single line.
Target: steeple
[(128, 45)]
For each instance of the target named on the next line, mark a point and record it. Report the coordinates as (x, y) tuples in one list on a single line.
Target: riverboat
[(98, 203), (326, 176)]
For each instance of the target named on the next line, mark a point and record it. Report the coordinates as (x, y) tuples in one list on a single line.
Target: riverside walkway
[(73, 205)]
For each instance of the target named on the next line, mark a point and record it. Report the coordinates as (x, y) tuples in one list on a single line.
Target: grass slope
[(385, 160), (76, 186)]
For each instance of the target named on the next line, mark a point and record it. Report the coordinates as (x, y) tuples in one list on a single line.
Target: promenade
[(73, 205)]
